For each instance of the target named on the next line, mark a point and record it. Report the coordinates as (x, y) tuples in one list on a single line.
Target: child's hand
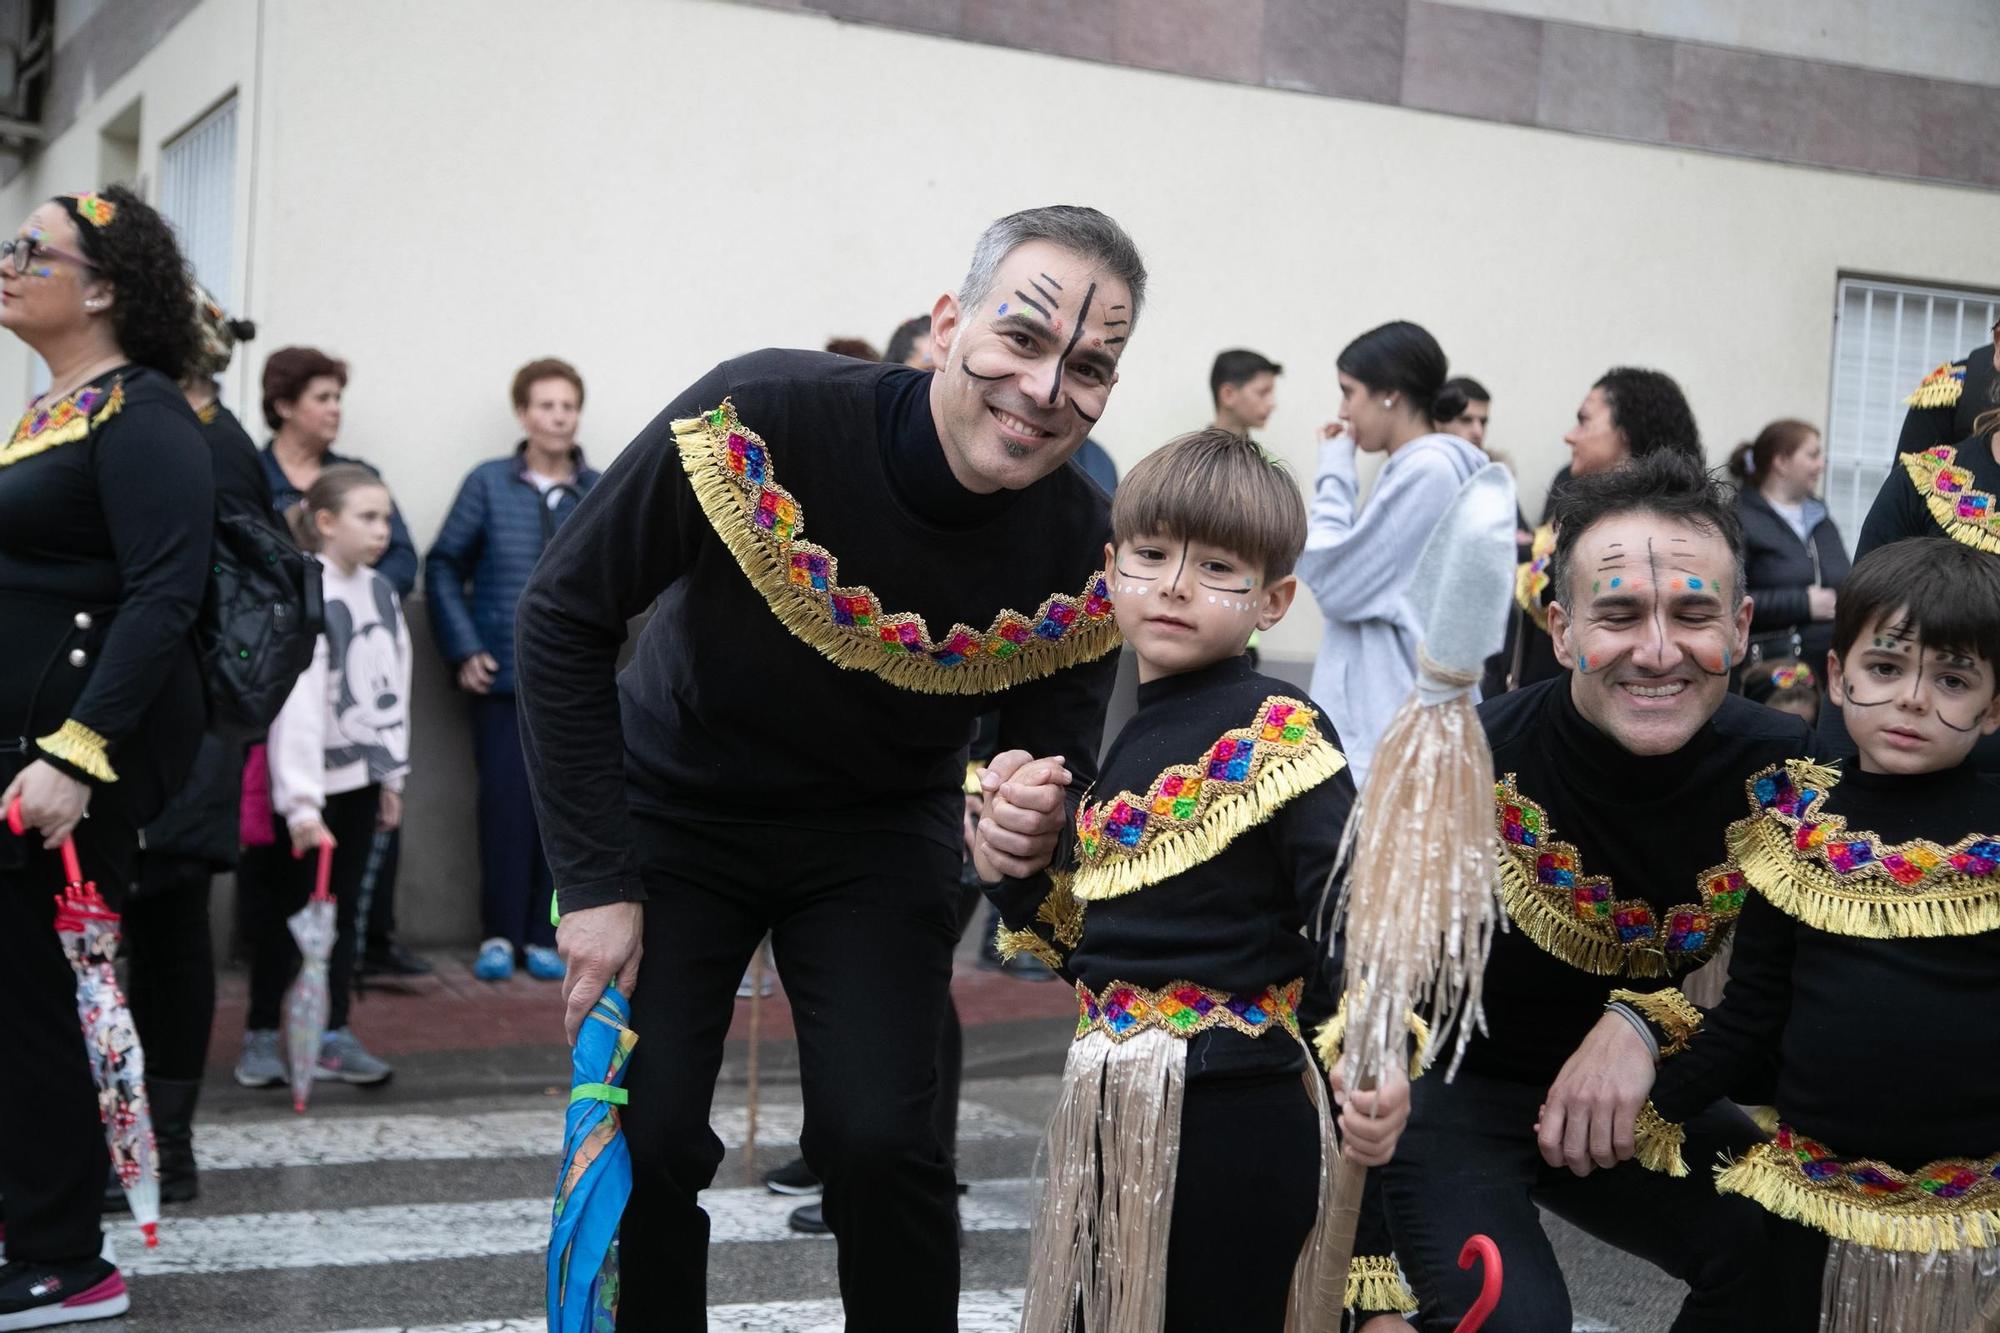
[(308, 836), (1372, 1122), (389, 814), (1025, 815)]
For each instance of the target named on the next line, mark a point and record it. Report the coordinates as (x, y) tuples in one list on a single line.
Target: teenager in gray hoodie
[(1358, 560)]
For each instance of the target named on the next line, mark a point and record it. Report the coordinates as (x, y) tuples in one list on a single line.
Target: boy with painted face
[(1872, 943), (1616, 783), (1187, 927)]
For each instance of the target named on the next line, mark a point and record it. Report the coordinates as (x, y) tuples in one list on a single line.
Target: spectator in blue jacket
[(505, 513)]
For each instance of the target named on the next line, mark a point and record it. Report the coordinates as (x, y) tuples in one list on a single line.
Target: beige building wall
[(439, 192)]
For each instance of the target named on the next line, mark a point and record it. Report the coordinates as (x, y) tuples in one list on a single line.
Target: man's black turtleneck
[(724, 714), (1887, 1047), (1652, 825)]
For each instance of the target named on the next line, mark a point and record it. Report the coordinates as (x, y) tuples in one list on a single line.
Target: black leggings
[(170, 964), (1245, 1196), (273, 884)]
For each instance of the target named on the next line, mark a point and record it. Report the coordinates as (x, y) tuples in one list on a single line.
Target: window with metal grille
[(1886, 337), (198, 195)]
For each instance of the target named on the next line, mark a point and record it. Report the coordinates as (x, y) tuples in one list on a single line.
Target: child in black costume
[(1868, 962)]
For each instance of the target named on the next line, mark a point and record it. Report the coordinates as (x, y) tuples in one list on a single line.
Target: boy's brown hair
[(1217, 488)]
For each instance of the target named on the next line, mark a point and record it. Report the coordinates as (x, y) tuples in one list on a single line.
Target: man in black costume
[(785, 752)]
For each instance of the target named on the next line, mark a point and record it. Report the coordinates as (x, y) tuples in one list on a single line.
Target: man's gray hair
[(1081, 231)]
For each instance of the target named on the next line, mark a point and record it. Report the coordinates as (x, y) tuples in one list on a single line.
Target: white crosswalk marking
[(978, 1312), (357, 1140), (412, 1233)]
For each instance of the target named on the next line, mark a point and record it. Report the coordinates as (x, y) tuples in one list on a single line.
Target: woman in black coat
[(1792, 552), (107, 503)]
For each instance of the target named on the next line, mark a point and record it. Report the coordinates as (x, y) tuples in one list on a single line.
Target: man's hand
[(1371, 1122), (1591, 1108), (1025, 815), (599, 946), (51, 800), (475, 673)]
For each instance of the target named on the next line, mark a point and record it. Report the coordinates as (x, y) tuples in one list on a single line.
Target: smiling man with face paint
[(848, 563), (1615, 785)]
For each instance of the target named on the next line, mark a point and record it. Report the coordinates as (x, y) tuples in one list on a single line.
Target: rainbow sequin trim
[(763, 525), (1792, 675), (1942, 1205), (1966, 513), (1941, 388), (64, 421), (1184, 1009), (1813, 867), (1192, 811), (1531, 580), (1580, 919)]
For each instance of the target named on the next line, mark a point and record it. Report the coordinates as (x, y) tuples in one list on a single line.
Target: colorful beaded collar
[(1814, 868), (762, 525), (1579, 919), (1941, 388), (64, 421), (1183, 1009), (1966, 514), (1192, 811)]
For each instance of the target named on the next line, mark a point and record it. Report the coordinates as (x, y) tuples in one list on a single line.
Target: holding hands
[(1025, 815)]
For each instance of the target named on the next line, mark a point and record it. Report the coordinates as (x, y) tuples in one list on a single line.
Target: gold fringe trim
[(1555, 933), (1331, 1037), (1671, 1010), (76, 744), (78, 427), (1799, 892), (1375, 1284), (765, 559), (1925, 467), (1940, 388), (1660, 1142), (1061, 913), (1769, 1176), (1226, 820)]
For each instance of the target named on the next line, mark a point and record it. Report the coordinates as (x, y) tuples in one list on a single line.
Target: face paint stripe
[(1055, 384), (1051, 282), (1028, 300), (976, 375), (1045, 293)]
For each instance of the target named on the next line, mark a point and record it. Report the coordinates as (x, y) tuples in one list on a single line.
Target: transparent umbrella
[(306, 1003)]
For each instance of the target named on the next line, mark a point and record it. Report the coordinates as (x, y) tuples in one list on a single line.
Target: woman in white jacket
[(1358, 559), (339, 750)]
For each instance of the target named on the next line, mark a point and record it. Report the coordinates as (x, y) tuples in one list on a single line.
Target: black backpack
[(258, 622)]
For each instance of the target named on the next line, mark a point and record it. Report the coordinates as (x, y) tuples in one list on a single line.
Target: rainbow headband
[(94, 209)]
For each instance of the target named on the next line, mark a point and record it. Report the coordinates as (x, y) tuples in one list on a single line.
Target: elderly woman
[(106, 520)]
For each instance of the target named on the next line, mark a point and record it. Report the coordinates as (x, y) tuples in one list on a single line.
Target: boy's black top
[(107, 503), (1948, 401), (1614, 868), (807, 527), (1237, 920), (1948, 490), (1859, 1013)]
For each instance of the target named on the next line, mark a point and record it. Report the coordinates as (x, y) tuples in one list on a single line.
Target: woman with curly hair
[(106, 521), (1629, 413)]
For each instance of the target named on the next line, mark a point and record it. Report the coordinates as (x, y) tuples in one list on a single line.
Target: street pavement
[(423, 1205)]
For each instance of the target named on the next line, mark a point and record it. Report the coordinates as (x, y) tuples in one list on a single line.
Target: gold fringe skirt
[(1098, 1253)]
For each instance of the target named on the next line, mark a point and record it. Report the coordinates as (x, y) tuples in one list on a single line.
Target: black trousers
[(514, 880), (1245, 1196), (53, 1161), (1469, 1163), (862, 929), (170, 964), (273, 884)]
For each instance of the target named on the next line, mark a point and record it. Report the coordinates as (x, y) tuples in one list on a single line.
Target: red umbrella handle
[(1481, 1248), (322, 873), (19, 827)]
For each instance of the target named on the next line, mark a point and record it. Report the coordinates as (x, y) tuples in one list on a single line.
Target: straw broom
[(1421, 900)]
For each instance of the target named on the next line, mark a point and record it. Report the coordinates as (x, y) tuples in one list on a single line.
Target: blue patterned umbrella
[(596, 1177)]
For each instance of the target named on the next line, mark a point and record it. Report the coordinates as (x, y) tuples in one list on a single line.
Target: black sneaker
[(45, 1295), (794, 1177), (809, 1220), (393, 960)]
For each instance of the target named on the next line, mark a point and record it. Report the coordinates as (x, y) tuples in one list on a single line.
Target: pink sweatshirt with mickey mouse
[(347, 722)]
